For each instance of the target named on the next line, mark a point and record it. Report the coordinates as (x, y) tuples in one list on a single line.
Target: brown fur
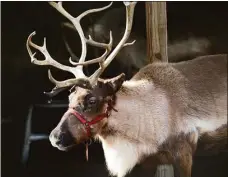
[(213, 142), (209, 143)]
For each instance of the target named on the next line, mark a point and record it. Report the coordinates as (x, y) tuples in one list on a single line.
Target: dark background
[(23, 83)]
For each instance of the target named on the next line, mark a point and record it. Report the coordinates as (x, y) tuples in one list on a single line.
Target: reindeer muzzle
[(61, 140)]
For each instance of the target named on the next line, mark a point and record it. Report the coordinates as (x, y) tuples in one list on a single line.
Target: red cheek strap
[(86, 123)]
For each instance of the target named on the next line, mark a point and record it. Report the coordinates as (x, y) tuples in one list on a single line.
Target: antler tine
[(54, 91), (107, 47), (76, 22), (101, 45), (82, 82), (130, 6), (81, 79), (93, 11), (95, 60), (48, 59)]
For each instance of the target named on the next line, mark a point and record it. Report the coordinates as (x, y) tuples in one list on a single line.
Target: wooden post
[(156, 23)]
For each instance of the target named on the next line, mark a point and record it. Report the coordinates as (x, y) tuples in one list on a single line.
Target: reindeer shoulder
[(159, 71)]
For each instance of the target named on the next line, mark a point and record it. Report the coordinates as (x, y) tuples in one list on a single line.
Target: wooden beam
[(156, 22)]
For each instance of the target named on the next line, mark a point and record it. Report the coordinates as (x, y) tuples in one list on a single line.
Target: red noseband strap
[(86, 123)]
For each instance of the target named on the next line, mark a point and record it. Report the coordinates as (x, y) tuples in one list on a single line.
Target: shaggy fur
[(181, 101)]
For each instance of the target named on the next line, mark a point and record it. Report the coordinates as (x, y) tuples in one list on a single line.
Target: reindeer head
[(92, 98)]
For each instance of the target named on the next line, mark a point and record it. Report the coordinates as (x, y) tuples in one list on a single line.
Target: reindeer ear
[(111, 86)]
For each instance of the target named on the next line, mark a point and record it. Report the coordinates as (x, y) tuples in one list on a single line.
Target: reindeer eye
[(92, 100)]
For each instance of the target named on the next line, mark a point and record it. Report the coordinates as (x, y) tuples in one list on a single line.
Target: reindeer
[(161, 112)]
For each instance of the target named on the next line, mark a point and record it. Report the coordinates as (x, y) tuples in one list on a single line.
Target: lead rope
[(87, 152), (87, 143)]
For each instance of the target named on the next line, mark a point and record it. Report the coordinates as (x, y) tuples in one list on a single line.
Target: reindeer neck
[(132, 132), (138, 113)]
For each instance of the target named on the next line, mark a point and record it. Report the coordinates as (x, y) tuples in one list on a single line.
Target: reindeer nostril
[(55, 135), (58, 143), (61, 137), (58, 139)]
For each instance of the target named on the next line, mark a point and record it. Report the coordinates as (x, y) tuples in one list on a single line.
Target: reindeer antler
[(82, 80), (130, 6)]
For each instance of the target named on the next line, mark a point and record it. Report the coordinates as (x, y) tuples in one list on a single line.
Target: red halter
[(86, 123)]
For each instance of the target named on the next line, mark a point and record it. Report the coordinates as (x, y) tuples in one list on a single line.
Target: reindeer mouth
[(65, 148)]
